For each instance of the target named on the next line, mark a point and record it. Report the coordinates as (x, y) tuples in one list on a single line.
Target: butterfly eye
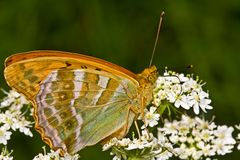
[(150, 78)]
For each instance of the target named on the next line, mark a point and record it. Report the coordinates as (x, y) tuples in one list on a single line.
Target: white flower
[(14, 120), (188, 120), (55, 155), (116, 158), (202, 124), (42, 157), (124, 142), (224, 142), (151, 118), (206, 135), (191, 84), (70, 157), (174, 138), (183, 101), (23, 125), (199, 99), (7, 119), (206, 149), (224, 134), (5, 155), (164, 155), (222, 148), (4, 135), (138, 144), (14, 99), (111, 143), (169, 127), (238, 136)]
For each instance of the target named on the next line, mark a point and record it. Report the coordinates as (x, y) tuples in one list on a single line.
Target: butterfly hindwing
[(77, 107)]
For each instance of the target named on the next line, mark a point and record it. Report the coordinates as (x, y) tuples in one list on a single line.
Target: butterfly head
[(146, 81), (148, 76)]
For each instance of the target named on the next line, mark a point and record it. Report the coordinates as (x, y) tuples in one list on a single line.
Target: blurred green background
[(203, 33)]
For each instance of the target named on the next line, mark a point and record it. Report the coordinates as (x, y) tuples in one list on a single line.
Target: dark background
[(203, 33)]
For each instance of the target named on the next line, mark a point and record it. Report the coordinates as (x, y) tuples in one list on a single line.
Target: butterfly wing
[(78, 100), (26, 71), (83, 107)]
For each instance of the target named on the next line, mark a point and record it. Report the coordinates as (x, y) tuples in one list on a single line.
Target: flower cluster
[(14, 100), (12, 118), (195, 138), (145, 147), (55, 155), (187, 138), (181, 91)]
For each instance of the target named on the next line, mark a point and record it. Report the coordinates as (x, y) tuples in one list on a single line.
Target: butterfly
[(79, 100)]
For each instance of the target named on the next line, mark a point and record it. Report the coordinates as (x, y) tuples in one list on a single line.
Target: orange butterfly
[(79, 100)]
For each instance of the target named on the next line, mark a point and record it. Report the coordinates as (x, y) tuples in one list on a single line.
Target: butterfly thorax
[(146, 81)]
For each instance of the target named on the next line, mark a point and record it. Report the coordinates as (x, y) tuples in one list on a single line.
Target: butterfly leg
[(142, 106), (136, 112), (137, 128)]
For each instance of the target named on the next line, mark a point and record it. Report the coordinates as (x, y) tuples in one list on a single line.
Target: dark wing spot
[(63, 115), (84, 67), (32, 79), (48, 112), (68, 64), (59, 106), (22, 84), (82, 101), (54, 86), (32, 89), (61, 132), (71, 124), (28, 73), (49, 98), (21, 66), (53, 121)]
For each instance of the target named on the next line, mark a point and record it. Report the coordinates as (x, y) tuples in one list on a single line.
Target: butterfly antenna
[(156, 40)]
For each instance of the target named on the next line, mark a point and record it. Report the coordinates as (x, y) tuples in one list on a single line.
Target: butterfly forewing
[(26, 71)]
